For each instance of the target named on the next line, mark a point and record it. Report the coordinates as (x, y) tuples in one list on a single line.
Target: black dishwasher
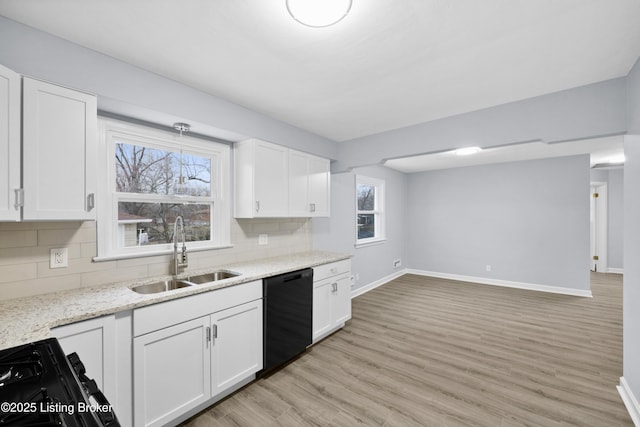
[(288, 309)]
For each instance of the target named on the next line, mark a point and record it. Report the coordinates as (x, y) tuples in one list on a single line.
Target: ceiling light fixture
[(181, 186), (617, 159), (318, 13), (465, 151)]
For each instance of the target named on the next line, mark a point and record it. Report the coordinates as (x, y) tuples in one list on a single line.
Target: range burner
[(20, 366), (39, 387)]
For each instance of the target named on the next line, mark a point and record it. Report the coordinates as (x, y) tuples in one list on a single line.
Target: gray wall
[(337, 233), (588, 111), (615, 217), (615, 214), (528, 220), (130, 91), (631, 309)]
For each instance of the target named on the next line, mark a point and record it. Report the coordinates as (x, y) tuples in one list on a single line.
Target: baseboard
[(615, 270), (364, 289), (630, 401), (505, 283)]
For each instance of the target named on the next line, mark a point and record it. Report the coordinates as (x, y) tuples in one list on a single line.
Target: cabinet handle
[(334, 287), (257, 205), (334, 270), (215, 331), (91, 202), (312, 207), (19, 198), (208, 333)]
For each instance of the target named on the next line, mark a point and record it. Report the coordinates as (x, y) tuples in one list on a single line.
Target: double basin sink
[(169, 285)]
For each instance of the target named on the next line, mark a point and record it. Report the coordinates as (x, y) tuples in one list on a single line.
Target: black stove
[(40, 386)]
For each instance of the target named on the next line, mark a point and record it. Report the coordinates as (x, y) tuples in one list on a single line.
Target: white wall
[(130, 91), (372, 263), (528, 220), (574, 114), (631, 295)]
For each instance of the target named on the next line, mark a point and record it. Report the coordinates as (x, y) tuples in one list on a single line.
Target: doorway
[(598, 220)]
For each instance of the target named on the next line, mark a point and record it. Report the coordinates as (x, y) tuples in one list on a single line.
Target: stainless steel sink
[(212, 277), (163, 286)]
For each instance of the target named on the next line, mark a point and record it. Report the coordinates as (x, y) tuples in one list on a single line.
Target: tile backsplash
[(24, 254)]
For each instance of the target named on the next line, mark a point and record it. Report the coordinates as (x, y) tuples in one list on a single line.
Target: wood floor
[(431, 352)]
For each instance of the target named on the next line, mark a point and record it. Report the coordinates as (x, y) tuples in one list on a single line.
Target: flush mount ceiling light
[(318, 13), (617, 159), (467, 151)]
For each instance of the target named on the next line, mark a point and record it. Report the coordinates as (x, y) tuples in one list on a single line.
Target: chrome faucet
[(179, 261)]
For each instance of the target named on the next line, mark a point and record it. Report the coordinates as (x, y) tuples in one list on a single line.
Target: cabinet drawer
[(157, 316), (322, 272)]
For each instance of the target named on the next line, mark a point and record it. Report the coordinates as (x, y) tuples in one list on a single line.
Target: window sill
[(116, 257), (370, 243)]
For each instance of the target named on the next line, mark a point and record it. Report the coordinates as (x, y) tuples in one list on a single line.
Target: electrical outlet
[(59, 258), (263, 239), (488, 267), (397, 263), (357, 276)]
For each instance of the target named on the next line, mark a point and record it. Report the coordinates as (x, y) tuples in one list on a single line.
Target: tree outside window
[(369, 210), (150, 178)]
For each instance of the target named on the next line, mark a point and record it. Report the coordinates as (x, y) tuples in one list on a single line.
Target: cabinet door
[(9, 144), (171, 372), (95, 342), (236, 345), (298, 184), (271, 189), (341, 309), (322, 300), (319, 186), (59, 152)]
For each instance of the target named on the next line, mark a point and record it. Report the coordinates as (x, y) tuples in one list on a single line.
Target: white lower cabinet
[(193, 362), (331, 298), (172, 373), (104, 347), (236, 345), (94, 341)]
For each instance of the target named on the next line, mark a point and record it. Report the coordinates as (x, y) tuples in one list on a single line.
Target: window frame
[(113, 131), (378, 211)]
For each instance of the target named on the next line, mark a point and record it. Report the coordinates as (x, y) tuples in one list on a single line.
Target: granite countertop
[(28, 319)]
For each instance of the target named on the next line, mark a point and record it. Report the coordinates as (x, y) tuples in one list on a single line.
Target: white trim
[(630, 401), (615, 270), (600, 226), (370, 243), (158, 253), (505, 283), (110, 131), (379, 211), (366, 288)]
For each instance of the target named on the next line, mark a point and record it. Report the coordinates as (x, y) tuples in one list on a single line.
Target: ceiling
[(387, 65)]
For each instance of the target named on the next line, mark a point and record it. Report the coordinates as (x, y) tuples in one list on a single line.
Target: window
[(148, 179), (369, 210)]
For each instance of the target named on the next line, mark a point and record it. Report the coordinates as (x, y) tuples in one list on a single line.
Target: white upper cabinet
[(277, 182), (309, 181), (9, 144), (261, 175), (59, 152)]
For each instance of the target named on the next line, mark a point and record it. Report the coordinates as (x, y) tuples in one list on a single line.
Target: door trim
[(600, 228)]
